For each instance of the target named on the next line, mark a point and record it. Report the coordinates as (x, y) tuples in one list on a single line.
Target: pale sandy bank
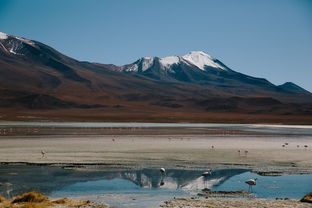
[(239, 203), (263, 152)]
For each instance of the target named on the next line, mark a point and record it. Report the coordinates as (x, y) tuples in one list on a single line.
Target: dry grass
[(71, 203), (307, 198), (38, 200), (26, 200), (30, 197), (32, 205)]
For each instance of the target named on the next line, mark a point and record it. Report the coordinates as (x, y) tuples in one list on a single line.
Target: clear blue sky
[(262, 38)]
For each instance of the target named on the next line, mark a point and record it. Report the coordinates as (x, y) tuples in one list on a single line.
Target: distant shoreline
[(263, 171), (125, 115)]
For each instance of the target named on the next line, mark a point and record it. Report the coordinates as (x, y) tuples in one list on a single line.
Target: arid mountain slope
[(35, 76)]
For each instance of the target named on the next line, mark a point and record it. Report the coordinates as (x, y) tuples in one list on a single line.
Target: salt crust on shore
[(252, 203)]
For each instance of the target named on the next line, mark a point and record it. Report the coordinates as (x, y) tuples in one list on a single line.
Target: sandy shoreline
[(259, 152), (264, 153), (35, 199), (237, 203)]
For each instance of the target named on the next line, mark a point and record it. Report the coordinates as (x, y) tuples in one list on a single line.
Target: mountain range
[(39, 82)]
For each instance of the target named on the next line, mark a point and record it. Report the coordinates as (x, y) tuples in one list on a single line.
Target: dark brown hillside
[(38, 81)]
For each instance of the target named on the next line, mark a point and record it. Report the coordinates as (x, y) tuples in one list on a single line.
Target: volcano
[(39, 82)]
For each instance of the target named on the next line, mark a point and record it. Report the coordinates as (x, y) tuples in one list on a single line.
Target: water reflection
[(269, 129), (59, 182), (16, 179), (175, 178)]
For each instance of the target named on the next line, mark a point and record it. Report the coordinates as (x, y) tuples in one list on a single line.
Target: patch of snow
[(201, 183), (29, 42), (201, 59), (194, 58), (134, 68), (12, 51), (3, 36), (147, 62), (166, 62)]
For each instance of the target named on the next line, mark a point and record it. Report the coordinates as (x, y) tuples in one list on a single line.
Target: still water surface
[(268, 129), (145, 187)]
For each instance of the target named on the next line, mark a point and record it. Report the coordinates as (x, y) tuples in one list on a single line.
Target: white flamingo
[(163, 174), (205, 175), (162, 171), (251, 182)]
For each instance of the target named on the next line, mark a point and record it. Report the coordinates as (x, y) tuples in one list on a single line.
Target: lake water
[(145, 187), (305, 130), (136, 124)]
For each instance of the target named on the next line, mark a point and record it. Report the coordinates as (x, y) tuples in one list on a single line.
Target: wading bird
[(246, 152), (206, 173), (43, 153), (205, 176), (162, 173), (251, 182)]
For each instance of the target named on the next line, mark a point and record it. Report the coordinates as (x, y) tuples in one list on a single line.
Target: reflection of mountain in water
[(16, 179), (177, 178)]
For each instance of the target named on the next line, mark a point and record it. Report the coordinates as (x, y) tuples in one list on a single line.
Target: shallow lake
[(145, 187), (272, 129)]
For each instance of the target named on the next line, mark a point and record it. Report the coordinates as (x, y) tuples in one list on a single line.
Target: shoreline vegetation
[(38, 200)]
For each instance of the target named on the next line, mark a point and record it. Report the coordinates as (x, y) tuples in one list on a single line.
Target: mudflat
[(260, 153), (256, 203)]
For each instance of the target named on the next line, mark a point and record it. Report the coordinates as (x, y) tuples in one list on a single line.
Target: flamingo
[(206, 173), (251, 182), (246, 152), (43, 153), (205, 177), (162, 173)]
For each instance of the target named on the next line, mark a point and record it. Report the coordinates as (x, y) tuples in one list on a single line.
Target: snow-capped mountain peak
[(142, 64), (14, 45), (201, 59), (3, 36), (147, 62), (166, 62), (198, 59)]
